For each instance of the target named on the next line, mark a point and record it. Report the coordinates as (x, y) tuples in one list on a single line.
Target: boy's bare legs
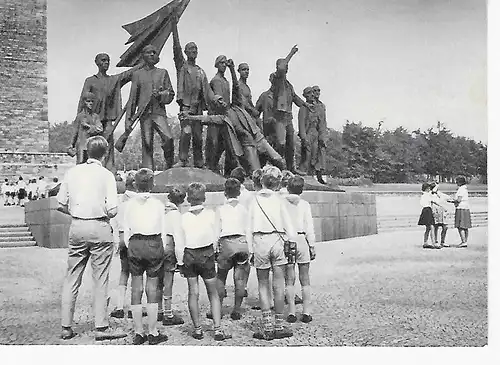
[(152, 306), (136, 306), (290, 290), (279, 273), (221, 283), (169, 319), (306, 292), (213, 297), (194, 309), (265, 303), (444, 230), (241, 273)]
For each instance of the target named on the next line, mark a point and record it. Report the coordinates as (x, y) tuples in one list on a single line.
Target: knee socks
[(122, 292), (137, 318), (152, 309), (167, 307), (306, 299), (267, 319)]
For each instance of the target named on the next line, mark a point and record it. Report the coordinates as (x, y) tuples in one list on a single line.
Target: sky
[(408, 63)]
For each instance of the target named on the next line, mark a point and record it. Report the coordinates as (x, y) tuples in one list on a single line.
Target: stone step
[(14, 229), (29, 243), (16, 238), (24, 233)]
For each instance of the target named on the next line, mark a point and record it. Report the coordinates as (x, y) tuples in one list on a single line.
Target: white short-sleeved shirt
[(463, 193), (199, 228)]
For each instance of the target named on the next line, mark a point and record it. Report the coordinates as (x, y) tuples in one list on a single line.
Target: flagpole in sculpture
[(152, 30)]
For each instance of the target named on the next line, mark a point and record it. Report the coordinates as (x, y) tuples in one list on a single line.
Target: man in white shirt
[(88, 194), (144, 233), (42, 187)]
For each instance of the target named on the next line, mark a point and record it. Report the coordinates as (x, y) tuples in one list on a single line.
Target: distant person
[(442, 215), (21, 192), (426, 218), (88, 194), (5, 188), (53, 188), (462, 211), (42, 187)]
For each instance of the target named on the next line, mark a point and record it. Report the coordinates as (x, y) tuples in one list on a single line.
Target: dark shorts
[(170, 261), (199, 262), (123, 251), (233, 250), (145, 253)]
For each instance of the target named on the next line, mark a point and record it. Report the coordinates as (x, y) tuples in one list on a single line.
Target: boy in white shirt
[(300, 213), (232, 247), (145, 235), (199, 259), (173, 255), (270, 227)]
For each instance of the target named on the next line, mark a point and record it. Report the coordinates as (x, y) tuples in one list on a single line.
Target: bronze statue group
[(270, 229), (249, 134)]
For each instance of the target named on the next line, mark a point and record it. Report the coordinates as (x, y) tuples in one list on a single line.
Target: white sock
[(152, 309), (137, 318)]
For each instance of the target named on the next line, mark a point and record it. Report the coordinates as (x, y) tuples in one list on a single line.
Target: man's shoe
[(284, 333), (159, 338), (292, 318), (306, 318), (172, 321), (221, 335), (117, 313), (426, 245), (445, 245), (109, 334), (139, 339), (264, 335), (436, 247), (462, 245), (67, 333), (235, 316)]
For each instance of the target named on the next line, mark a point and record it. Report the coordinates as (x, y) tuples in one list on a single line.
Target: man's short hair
[(239, 174), (307, 90), (41, 178), (189, 44), (256, 176), (144, 179), (196, 193), (232, 188), (461, 180), (286, 176), (149, 47), (220, 58), (87, 95), (271, 177), (97, 147), (55, 179), (6, 180), (425, 186), (130, 179), (177, 196), (295, 185), (99, 55), (243, 64)]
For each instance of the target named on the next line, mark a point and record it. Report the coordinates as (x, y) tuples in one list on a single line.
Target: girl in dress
[(443, 214), (426, 218), (462, 212)]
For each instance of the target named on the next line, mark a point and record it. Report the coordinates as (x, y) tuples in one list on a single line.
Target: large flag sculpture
[(153, 29)]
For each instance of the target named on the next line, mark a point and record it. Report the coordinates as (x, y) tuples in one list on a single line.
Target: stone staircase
[(13, 231)]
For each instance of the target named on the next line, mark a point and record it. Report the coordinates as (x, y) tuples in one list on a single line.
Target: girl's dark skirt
[(462, 218), (426, 217)]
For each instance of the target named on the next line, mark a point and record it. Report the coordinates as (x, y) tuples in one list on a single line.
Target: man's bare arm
[(178, 56)]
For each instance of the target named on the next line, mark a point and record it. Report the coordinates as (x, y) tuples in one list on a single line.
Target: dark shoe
[(67, 333), (160, 317), (284, 333), (462, 245), (117, 313), (221, 336), (298, 300), (306, 318), (198, 335), (445, 245), (109, 334), (437, 247), (235, 316), (265, 335), (292, 318), (426, 245), (139, 339), (159, 338), (173, 321)]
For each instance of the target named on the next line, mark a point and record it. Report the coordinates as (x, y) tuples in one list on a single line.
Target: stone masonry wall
[(24, 122)]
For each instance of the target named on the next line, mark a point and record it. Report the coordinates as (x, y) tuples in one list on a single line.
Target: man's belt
[(101, 219)]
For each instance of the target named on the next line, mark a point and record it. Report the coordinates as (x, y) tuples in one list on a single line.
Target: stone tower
[(24, 125)]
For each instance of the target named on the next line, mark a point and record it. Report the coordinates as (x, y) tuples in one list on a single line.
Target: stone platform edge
[(335, 216)]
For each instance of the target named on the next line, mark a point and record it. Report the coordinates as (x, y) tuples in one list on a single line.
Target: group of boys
[(269, 229), (18, 193)]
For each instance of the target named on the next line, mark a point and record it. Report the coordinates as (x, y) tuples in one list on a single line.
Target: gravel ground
[(381, 290)]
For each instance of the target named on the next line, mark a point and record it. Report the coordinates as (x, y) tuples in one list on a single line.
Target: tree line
[(358, 151)]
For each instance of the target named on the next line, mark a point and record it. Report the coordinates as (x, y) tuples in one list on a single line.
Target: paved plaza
[(381, 290)]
